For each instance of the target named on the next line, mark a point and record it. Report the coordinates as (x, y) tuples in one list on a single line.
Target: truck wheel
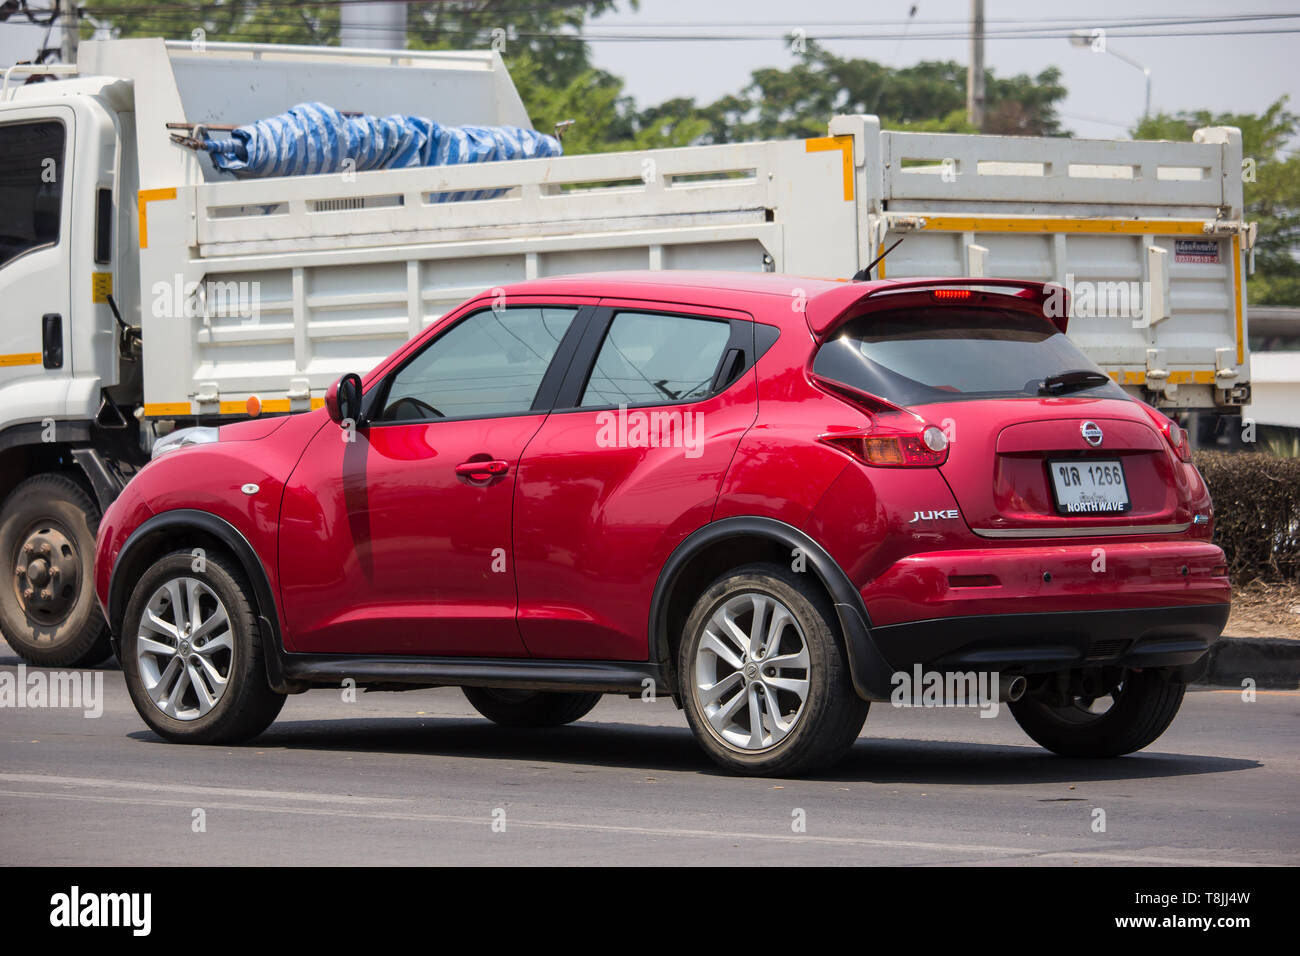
[(764, 680), (1133, 715), (48, 611), (192, 653), (530, 708)]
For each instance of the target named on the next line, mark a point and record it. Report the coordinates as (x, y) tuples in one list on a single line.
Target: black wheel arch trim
[(870, 671), (248, 558)]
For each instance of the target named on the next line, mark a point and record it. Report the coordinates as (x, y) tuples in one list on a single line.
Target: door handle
[(52, 340), (482, 471)]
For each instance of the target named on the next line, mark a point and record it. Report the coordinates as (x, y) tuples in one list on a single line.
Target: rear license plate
[(1089, 487)]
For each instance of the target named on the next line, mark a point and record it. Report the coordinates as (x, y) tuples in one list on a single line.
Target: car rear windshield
[(951, 353)]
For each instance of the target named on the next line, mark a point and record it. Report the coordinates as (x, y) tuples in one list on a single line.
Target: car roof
[(818, 302), (696, 287)]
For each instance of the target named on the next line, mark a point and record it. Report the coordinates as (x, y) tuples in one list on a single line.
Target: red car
[(774, 499)]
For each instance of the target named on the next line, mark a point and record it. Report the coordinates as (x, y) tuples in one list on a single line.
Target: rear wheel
[(765, 682), (530, 708), (193, 655), (48, 611), (1104, 721)]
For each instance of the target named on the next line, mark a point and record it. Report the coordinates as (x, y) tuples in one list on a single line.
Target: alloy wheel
[(184, 648), (752, 672)]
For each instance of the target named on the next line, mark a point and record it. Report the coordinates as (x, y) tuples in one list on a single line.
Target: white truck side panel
[(1148, 237), (274, 288)]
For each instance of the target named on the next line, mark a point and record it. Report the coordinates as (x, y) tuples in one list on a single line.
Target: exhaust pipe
[(1012, 688)]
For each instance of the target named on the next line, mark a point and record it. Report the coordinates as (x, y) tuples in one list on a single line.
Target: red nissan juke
[(775, 499)]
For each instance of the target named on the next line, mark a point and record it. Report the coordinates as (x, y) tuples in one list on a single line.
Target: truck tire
[(48, 611), (525, 708)]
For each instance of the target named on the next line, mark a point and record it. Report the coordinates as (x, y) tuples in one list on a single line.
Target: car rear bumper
[(1048, 578), (1035, 643)]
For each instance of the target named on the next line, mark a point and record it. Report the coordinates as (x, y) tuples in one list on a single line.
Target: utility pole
[(71, 24), (375, 26), (975, 71)]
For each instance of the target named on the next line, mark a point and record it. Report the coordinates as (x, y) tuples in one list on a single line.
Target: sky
[(1241, 74), (1215, 72)]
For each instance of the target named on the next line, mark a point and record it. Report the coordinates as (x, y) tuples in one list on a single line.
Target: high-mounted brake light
[(952, 293), (894, 445), (1174, 433)]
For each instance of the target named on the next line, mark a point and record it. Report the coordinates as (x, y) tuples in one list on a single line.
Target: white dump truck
[(141, 289)]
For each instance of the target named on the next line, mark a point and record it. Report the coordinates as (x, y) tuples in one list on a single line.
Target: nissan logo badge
[(1091, 433)]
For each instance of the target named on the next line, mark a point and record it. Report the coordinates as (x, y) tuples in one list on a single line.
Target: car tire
[(1143, 708), (48, 611), (720, 687), (212, 687), (530, 708)]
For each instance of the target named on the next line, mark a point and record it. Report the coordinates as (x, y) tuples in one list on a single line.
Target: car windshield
[(953, 353)]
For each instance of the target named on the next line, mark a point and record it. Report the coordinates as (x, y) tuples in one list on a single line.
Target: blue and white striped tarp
[(312, 138)]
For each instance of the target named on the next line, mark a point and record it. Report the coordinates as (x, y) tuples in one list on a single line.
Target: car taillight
[(951, 293), (888, 445), (1174, 433)]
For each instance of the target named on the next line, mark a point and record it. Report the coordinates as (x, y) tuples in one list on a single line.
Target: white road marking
[(485, 821), (105, 783)]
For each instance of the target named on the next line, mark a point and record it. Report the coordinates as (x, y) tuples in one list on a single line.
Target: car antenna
[(864, 273)]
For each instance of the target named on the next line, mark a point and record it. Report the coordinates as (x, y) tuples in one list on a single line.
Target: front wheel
[(193, 655), (765, 681), (1104, 721)]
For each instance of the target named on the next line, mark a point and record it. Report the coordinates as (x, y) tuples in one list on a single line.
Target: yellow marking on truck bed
[(147, 196), (1236, 295), (1182, 377), (845, 145), (1149, 227), (154, 409)]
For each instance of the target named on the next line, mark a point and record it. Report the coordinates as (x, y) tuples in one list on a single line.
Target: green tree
[(242, 21), (1272, 200), (929, 96)]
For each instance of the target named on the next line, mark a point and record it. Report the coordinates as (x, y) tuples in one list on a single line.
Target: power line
[(190, 18)]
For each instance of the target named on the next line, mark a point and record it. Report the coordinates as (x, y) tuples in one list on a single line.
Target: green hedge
[(1256, 512)]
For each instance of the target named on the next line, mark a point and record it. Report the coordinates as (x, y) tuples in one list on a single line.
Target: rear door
[(35, 275), (627, 465)]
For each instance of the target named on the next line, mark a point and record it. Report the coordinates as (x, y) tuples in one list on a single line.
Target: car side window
[(649, 358), (490, 363), (31, 186)]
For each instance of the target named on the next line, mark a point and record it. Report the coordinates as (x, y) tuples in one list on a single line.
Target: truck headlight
[(198, 435)]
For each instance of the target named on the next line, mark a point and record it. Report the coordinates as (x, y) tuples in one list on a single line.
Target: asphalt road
[(419, 778)]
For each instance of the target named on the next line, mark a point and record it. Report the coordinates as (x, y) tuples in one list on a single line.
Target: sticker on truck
[(1196, 250)]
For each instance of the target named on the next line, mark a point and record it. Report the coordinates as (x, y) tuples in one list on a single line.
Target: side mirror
[(343, 399)]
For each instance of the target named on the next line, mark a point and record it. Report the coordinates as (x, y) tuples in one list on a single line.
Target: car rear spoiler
[(828, 311)]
